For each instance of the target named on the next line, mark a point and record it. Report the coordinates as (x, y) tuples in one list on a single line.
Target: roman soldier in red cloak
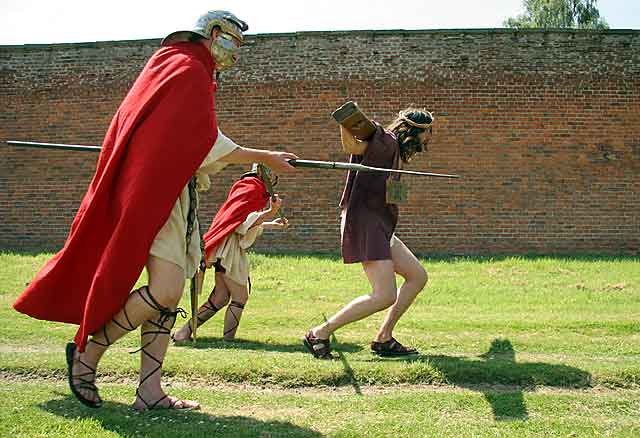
[(142, 197), (250, 208)]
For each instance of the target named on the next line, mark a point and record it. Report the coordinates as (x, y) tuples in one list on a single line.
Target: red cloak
[(246, 195), (157, 139)]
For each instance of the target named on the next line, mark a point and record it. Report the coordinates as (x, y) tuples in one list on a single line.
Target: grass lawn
[(536, 346)]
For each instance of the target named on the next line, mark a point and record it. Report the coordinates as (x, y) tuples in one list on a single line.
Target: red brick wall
[(544, 127)]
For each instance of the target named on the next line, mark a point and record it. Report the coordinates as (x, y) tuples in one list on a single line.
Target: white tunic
[(170, 242), (232, 251)]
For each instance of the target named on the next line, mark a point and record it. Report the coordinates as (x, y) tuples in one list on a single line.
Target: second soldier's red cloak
[(157, 139), (246, 195)]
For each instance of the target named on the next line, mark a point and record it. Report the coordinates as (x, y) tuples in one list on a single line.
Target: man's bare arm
[(350, 144), (277, 161)]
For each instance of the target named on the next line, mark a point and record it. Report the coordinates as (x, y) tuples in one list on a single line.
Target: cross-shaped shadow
[(501, 379)]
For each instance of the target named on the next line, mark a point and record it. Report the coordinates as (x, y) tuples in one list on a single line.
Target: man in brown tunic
[(369, 219)]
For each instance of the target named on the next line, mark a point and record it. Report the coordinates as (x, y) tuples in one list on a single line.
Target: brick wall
[(543, 125)]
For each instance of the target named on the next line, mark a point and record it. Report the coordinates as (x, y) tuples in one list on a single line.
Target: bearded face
[(415, 140)]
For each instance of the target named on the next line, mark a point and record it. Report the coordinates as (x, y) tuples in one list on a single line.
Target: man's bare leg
[(137, 309), (239, 297), (381, 275), (408, 266)]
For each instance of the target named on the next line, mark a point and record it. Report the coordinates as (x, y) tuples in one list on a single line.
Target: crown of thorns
[(416, 124)]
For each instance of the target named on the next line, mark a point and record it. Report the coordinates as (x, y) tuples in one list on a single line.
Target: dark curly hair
[(407, 126)]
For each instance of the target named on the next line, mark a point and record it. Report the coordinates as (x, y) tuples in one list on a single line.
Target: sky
[(68, 21)]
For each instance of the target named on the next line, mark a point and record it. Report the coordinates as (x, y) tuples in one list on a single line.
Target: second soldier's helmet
[(263, 172)]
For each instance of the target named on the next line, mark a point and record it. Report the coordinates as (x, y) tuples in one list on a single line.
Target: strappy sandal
[(391, 348), (162, 327), (230, 333), (156, 405), (89, 383), (187, 339), (320, 348), (86, 384), (202, 317)]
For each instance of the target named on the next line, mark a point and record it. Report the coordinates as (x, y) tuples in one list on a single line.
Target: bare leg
[(383, 282), (167, 281), (239, 297), (138, 308), (408, 266), (218, 298)]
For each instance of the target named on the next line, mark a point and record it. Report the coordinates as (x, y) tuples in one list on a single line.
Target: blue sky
[(50, 21)]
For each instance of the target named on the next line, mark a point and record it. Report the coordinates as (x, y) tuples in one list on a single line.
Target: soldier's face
[(224, 48)]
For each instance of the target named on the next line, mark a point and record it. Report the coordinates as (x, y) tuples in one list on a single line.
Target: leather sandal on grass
[(82, 381), (391, 348), (320, 348), (160, 327), (206, 311)]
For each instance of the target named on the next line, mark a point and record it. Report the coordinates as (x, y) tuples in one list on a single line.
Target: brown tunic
[(370, 222)]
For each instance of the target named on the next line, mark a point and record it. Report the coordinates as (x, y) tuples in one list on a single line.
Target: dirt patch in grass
[(60, 378)]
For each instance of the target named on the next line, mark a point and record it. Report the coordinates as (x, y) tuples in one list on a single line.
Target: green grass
[(47, 410), (510, 346)]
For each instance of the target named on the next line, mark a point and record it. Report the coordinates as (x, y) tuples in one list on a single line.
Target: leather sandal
[(162, 327), (156, 404), (391, 348), (320, 348), (85, 383), (187, 339), (206, 312), (87, 379), (229, 334)]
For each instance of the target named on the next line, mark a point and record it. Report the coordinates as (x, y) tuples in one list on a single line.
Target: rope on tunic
[(192, 217)]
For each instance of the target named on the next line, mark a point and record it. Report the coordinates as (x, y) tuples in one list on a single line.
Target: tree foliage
[(559, 14)]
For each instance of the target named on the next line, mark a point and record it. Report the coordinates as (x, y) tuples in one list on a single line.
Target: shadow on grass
[(501, 380), (124, 421), (348, 371), (242, 344)]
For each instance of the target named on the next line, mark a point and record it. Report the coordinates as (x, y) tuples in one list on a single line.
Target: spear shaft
[(361, 168), (198, 279), (295, 163), (67, 147)]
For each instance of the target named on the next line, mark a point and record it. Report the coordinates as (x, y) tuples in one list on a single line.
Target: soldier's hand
[(276, 203), (279, 161), (281, 222)]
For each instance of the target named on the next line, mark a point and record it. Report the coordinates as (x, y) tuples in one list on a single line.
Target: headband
[(415, 124)]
